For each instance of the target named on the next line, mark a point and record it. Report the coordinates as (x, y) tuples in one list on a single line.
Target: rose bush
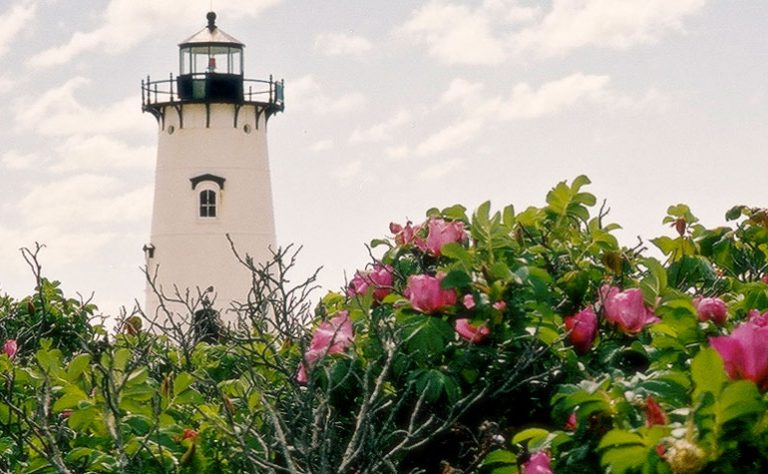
[(494, 342)]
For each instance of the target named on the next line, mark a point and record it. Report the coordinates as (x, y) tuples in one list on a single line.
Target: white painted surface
[(192, 252)]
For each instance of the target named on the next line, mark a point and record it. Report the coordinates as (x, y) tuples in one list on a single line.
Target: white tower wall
[(190, 251)]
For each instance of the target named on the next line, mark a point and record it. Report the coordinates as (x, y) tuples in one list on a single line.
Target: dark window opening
[(207, 326), (207, 203)]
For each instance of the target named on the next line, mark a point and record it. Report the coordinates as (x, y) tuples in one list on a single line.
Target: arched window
[(208, 195), (207, 203)]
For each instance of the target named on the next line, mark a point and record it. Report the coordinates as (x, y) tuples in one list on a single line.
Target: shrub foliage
[(495, 342)]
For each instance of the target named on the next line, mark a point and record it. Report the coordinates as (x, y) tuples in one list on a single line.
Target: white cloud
[(617, 24), (455, 34), (84, 199), (450, 137), (321, 145), (341, 44), (550, 98), (58, 112), (440, 170), (125, 23), (397, 152), (6, 85), (553, 97), (349, 170), (523, 103), (382, 131), (60, 248), (13, 21), (14, 160), (100, 152), (495, 30), (307, 94), (463, 91)]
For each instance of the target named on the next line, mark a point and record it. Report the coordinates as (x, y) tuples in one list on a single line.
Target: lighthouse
[(212, 176)]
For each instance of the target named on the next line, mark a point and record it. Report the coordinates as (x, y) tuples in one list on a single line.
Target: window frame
[(208, 190), (207, 203)]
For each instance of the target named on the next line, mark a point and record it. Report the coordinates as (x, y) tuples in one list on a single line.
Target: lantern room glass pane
[(200, 63), (184, 61), (211, 59), (236, 63)]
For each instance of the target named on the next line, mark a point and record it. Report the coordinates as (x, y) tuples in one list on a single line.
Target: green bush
[(496, 342)]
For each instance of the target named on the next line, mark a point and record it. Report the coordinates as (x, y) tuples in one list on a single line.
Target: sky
[(392, 107)]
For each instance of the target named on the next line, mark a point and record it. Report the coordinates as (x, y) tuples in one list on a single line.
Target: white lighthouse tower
[(212, 173)]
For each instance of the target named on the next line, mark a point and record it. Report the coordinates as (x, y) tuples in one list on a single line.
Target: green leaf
[(81, 419), (734, 213), (121, 358), (667, 245), (426, 336), (508, 216), (380, 242), (457, 252), (77, 366), (182, 382), (456, 212), (49, 360), (707, 372), (76, 455), (739, 399), (138, 377), (671, 386), (140, 424), (623, 459), (529, 434), (559, 197), (71, 397), (655, 282), (431, 384), (500, 457), (456, 279), (618, 437)]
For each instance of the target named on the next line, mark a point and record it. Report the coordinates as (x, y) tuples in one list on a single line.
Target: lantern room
[(211, 65)]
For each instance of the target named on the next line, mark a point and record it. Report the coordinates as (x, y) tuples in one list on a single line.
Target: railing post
[(271, 92), (170, 79)]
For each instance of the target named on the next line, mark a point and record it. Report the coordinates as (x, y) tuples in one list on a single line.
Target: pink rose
[(358, 285), (381, 278), (745, 353), (425, 293), (331, 337), (711, 309), (572, 423), (538, 463), (440, 233), (754, 317), (469, 301), (404, 235), (626, 309), (500, 306), (582, 329), (470, 332), (10, 348)]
